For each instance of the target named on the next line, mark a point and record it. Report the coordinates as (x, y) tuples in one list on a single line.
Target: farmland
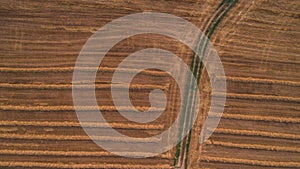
[(257, 42)]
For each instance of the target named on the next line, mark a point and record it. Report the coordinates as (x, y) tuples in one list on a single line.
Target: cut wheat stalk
[(257, 133), (81, 86), (75, 166), (260, 81), (83, 124), (79, 138), (78, 153), (255, 146), (71, 69), (78, 108), (250, 162)]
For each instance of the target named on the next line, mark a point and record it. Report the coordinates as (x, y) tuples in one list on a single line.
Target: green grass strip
[(197, 72), (233, 3)]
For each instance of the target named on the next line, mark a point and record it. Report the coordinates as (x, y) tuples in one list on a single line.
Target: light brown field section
[(258, 42)]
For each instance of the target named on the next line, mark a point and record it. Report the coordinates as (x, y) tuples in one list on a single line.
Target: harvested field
[(259, 127), (257, 42)]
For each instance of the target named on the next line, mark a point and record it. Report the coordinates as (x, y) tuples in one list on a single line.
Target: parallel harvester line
[(255, 146), (257, 133), (78, 166), (71, 108), (77, 153), (83, 124), (255, 38), (237, 50), (80, 86), (258, 118), (262, 118), (260, 80), (250, 162), (71, 69), (259, 97), (78, 138)]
